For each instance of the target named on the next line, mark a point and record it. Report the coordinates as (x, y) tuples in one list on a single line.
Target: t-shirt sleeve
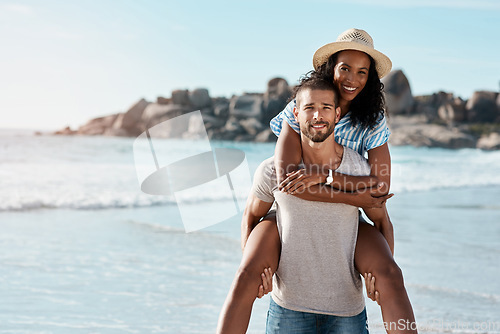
[(285, 115), (262, 186), (377, 136)]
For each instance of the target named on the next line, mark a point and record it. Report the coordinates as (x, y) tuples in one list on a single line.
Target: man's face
[(316, 113)]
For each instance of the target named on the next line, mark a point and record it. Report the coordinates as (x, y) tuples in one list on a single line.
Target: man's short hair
[(313, 81)]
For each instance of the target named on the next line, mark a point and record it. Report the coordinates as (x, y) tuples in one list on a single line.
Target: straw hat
[(354, 39)]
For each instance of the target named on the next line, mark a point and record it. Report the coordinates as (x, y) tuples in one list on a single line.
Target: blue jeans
[(284, 321)]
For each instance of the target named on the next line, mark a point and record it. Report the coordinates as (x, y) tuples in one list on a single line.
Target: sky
[(65, 62)]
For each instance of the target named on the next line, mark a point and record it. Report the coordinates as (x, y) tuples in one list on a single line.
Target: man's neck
[(325, 154)]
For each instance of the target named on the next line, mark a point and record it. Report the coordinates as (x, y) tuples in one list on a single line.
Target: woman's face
[(351, 73)]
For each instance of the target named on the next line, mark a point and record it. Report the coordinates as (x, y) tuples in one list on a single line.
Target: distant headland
[(437, 120)]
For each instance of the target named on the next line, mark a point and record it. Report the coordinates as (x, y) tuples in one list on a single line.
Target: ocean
[(84, 250)]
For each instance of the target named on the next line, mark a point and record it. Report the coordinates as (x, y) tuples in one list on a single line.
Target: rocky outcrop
[(397, 93), (63, 132), (156, 113), (97, 126), (199, 98), (131, 121), (275, 98), (428, 105), (246, 106), (180, 97), (416, 131), (440, 119), (489, 142), (452, 111), (482, 107)]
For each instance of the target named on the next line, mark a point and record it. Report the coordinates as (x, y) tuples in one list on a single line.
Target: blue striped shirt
[(360, 139)]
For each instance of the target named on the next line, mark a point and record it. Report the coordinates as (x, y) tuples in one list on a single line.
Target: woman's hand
[(370, 288), (298, 181), (366, 198), (267, 283)]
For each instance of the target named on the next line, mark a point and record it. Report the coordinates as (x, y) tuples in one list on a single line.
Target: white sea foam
[(99, 172)]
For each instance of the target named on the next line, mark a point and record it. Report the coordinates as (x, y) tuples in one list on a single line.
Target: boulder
[(452, 112), (209, 111), (416, 132), (451, 138), (428, 105), (212, 122), (397, 91), (97, 126), (118, 132), (65, 132), (266, 136), (131, 121), (199, 98), (233, 126), (163, 100), (180, 97), (177, 129), (251, 125), (245, 106), (156, 113), (489, 142), (482, 107), (221, 108), (275, 98)]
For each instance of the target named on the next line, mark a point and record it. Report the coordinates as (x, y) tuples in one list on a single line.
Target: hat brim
[(383, 64)]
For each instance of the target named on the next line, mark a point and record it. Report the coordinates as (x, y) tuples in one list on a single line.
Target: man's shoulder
[(266, 171), (264, 182), (266, 167)]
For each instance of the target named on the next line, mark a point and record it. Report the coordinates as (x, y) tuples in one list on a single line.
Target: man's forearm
[(324, 193), (351, 183)]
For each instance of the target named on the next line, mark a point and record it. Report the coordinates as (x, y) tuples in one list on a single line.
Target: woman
[(355, 68)]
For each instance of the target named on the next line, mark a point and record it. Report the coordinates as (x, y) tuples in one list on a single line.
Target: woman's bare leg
[(373, 256), (262, 250)]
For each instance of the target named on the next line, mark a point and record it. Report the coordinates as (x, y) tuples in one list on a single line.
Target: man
[(316, 287)]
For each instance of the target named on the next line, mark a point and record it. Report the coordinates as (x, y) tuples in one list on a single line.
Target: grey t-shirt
[(316, 270)]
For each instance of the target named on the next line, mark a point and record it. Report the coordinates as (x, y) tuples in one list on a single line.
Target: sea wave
[(99, 173)]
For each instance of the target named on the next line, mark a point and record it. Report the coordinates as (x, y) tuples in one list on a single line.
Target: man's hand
[(301, 179), (370, 288), (267, 283)]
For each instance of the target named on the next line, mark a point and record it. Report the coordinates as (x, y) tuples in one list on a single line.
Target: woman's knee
[(247, 280), (389, 274)]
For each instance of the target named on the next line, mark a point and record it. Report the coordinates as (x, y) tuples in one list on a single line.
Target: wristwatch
[(329, 178)]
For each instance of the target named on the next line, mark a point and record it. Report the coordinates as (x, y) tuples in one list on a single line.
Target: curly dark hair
[(369, 105)]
